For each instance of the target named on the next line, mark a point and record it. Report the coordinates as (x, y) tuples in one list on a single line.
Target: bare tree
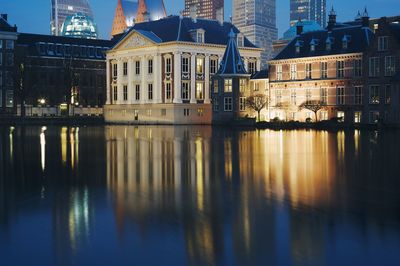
[(257, 103), (288, 108), (314, 106)]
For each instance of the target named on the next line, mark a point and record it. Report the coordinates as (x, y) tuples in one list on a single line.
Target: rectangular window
[(324, 96), (200, 111), (308, 96), (374, 67), (357, 117), (357, 68), (200, 37), (383, 43), (242, 104), (340, 96), (213, 66), (216, 86), (9, 44), (185, 90), (340, 69), (228, 104), (308, 71), (228, 85), (137, 67), (293, 97), (324, 70), (388, 93), (150, 66), (168, 92), (168, 65), (252, 67), (199, 66), (9, 99), (279, 73), (185, 65), (115, 70), (199, 90), (340, 116), (278, 96), (374, 94), (242, 85), (186, 112), (125, 68), (390, 66), (150, 91), (137, 92), (358, 95), (293, 72), (125, 92), (216, 105), (115, 93)]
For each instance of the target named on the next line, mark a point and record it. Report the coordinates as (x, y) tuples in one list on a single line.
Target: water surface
[(125, 195)]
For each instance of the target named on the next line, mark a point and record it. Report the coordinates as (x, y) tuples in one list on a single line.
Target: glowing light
[(43, 148)]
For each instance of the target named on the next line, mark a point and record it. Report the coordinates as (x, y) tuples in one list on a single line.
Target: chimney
[(4, 16), (193, 12), (365, 19), (299, 28), (220, 15), (332, 20)]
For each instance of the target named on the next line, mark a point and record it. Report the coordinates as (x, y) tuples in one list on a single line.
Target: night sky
[(34, 16)]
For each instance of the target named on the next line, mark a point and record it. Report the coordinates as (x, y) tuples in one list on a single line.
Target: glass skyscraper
[(61, 9), (312, 10), (205, 8), (256, 19)]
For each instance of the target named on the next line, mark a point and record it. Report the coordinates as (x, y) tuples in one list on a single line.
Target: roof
[(358, 38), (175, 28), (5, 26), (231, 63), (28, 38), (395, 27), (262, 74), (307, 27)]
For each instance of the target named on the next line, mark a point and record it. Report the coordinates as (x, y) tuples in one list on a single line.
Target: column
[(246, 63), (143, 87), (207, 79), (177, 78), (157, 74), (108, 84), (119, 81), (131, 89), (193, 78)]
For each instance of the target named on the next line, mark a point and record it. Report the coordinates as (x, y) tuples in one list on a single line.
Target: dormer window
[(298, 45), (345, 42), (329, 42), (240, 40), (313, 45), (200, 36)]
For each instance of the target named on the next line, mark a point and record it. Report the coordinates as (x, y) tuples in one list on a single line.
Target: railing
[(56, 111)]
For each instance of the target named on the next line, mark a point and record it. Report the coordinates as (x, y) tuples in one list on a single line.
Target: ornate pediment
[(136, 40)]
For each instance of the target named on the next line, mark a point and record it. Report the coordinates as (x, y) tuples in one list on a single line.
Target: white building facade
[(160, 76)]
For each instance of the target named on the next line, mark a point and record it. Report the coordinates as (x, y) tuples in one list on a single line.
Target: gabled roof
[(5, 26), (231, 63), (174, 28), (360, 38)]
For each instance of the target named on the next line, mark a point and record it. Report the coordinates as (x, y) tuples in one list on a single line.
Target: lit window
[(199, 90), (293, 72), (357, 117), (199, 65), (228, 85), (340, 69), (279, 73), (324, 70), (242, 85)]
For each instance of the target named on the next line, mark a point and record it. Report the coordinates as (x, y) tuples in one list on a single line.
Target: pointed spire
[(142, 12), (232, 63), (365, 14)]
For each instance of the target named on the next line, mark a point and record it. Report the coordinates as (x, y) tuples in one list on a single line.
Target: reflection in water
[(198, 196)]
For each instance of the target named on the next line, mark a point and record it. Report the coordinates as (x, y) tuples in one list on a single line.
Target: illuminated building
[(61, 9), (160, 71), (79, 26), (129, 12), (256, 19), (312, 10), (204, 8), (8, 36)]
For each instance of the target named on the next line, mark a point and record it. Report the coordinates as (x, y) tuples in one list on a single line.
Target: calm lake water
[(120, 195)]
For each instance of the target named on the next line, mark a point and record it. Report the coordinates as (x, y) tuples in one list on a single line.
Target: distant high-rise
[(256, 19), (313, 10), (61, 9), (79, 26), (205, 8), (129, 12)]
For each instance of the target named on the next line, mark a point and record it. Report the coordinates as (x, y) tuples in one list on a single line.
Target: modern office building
[(160, 72), (312, 10), (208, 9), (79, 26), (61, 9), (256, 19), (129, 12), (8, 36)]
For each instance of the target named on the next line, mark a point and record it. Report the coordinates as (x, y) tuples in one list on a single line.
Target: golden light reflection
[(43, 148), (11, 136), (64, 143), (199, 174)]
